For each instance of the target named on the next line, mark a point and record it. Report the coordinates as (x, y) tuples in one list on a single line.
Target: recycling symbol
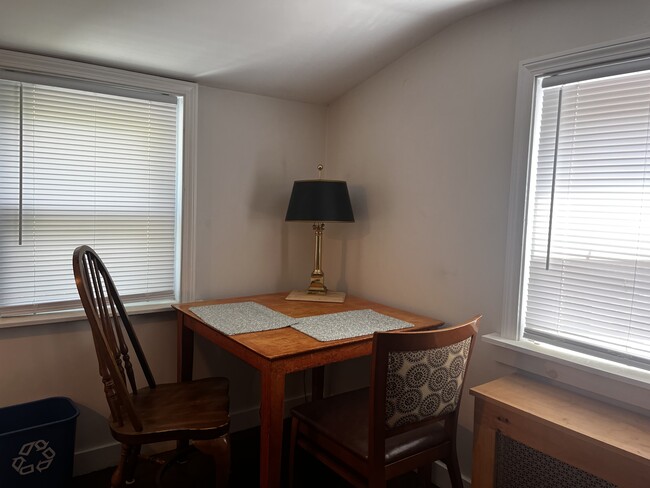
[(40, 455)]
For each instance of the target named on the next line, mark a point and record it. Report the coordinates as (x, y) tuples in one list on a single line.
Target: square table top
[(287, 341)]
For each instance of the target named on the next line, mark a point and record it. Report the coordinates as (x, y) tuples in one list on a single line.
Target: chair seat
[(343, 419), (191, 410)]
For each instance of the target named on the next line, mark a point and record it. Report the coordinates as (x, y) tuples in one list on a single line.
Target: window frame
[(188, 91), (583, 371)]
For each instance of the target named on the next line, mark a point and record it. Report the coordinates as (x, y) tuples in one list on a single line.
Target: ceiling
[(307, 50)]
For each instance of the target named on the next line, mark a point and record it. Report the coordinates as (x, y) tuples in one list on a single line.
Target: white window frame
[(615, 381), (42, 65)]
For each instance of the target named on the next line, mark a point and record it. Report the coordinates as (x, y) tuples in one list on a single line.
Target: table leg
[(272, 417), (184, 351), (317, 383), (184, 360)]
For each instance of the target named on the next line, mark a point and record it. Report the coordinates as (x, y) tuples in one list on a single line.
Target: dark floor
[(198, 472)]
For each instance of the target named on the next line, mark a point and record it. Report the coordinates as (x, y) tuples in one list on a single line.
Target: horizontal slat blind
[(97, 169), (589, 213)]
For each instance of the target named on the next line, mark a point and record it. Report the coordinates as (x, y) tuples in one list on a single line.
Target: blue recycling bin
[(37, 443)]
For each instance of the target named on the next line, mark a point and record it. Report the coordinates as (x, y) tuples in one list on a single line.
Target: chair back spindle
[(108, 321)]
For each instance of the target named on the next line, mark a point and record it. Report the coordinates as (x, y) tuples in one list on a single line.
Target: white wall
[(427, 144), (250, 149)]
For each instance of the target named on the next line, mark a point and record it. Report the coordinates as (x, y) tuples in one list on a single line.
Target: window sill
[(76, 315), (620, 384)]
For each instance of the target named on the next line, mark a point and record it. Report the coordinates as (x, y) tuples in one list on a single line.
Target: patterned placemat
[(242, 317), (343, 325)]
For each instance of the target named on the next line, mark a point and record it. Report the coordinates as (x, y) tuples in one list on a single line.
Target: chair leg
[(376, 476), (219, 449), (453, 467), (131, 463), (376, 480), (125, 469), (425, 475)]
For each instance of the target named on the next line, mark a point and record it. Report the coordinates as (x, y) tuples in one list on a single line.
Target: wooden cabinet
[(580, 436)]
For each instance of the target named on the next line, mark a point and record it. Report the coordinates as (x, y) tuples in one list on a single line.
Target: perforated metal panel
[(521, 466)]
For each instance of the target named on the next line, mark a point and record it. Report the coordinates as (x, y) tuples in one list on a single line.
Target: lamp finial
[(320, 169)]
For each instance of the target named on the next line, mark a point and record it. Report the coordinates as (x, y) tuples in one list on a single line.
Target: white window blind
[(85, 167), (587, 253)]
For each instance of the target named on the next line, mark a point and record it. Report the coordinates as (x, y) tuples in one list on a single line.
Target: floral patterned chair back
[(417, 379), (425, 383)]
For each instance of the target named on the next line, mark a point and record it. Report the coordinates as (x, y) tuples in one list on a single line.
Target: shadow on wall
[(27, 331), (268, 205), (345, 233), (95, 447), (92, 428), (210, 360), (270, 192)]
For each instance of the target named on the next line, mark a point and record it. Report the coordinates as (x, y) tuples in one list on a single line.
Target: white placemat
[(344, 325), (242, 317)]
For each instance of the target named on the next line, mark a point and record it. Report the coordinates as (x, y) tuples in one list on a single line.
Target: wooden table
[(275, 353), (608, 442)]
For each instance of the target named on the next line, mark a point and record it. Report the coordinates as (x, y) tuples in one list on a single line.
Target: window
[(587, 249), (88, 163), (583, 282)]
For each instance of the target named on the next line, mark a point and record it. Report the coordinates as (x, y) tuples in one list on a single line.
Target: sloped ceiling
[(307, 50)]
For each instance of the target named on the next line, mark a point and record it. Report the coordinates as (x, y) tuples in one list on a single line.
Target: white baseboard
[(106, 455), (96, 458)]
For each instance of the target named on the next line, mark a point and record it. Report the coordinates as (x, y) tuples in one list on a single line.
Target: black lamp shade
[(320, 201)]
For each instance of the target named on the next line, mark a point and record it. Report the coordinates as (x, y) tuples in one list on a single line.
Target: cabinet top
[(560, 409)]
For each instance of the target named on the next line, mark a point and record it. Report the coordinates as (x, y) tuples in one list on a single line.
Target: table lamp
[(319, 201)]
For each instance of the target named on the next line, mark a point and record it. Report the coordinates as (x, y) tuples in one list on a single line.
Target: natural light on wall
[(86, 166), (586, 276)]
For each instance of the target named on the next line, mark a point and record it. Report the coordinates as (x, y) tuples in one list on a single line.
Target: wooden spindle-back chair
[(195, 410)]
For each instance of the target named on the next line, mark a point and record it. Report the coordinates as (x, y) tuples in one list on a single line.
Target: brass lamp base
[(317, 283), (305, 296), (317, 291)]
